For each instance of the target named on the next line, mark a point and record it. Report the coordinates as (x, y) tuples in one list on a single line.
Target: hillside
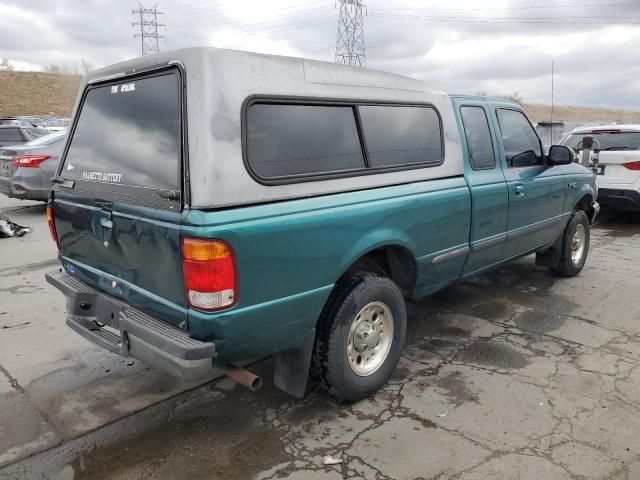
[(539, 113), (36, 93)]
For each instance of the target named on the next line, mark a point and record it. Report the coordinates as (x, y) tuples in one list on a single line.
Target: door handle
[(519, 190)]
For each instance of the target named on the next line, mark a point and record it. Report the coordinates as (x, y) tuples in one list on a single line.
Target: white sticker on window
[(102, 177), (125, 87)]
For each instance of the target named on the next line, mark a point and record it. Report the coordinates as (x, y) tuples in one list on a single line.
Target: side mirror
[(560, 155)]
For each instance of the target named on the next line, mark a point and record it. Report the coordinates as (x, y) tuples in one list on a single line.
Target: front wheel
[(575, 245), (360, 337)]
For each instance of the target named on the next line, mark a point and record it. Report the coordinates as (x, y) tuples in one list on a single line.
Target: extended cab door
[(536, 192), (489, 196)]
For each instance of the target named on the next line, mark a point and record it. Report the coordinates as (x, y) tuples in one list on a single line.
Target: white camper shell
[(218, 86)]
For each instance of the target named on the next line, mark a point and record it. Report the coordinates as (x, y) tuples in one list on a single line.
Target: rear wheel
[(360, 337), (575, 245)]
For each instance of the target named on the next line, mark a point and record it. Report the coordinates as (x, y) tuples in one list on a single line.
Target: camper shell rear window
[(292, 140), (128, 136)]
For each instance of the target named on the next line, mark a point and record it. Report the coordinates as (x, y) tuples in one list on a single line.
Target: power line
[(239, 21), (267, 30), (224, 10), (595, 20), (148, 23), (529, 7), (350, 46)]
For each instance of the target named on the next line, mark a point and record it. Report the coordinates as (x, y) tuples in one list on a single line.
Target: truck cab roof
[(486, 98)]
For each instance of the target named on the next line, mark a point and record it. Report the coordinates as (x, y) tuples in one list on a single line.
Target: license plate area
[(599, 169), (5, 167)]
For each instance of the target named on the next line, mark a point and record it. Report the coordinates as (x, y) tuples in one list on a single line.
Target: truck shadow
[(617, 223)]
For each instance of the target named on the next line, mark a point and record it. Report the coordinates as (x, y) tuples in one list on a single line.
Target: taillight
[(632, 165), (209, 273), (29, 161), (52, 225)]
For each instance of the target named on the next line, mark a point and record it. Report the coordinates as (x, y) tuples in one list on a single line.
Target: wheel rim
[(370, 338), (577, 244)]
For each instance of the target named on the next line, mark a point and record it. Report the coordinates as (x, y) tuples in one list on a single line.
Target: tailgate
[(117, 196)]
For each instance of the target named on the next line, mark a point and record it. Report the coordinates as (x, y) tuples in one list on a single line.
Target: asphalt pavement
[(516, 373)]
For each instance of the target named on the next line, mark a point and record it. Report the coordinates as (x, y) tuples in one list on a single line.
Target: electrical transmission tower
[(148, 22), (350, 48)]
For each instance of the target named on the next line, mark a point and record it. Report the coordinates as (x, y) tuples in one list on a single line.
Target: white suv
[(619, 162)]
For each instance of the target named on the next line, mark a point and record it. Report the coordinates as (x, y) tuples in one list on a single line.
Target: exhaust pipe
[(244, 377)]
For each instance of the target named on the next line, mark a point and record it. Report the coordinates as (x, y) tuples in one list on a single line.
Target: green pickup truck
[(212, 207)]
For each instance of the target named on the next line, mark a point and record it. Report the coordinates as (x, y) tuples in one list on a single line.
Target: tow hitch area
[(124, 330)]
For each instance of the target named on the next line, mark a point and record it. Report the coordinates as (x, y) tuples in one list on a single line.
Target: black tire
[(331, 367), (567, 266)]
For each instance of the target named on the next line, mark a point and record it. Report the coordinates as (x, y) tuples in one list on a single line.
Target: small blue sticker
[(69, 268)]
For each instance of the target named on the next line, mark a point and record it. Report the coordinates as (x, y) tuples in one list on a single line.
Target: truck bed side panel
[(290, 254)]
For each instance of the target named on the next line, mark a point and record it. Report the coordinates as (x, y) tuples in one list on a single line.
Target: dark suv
[(17, 134)]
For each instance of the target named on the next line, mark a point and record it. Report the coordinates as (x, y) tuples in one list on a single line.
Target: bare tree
[(5, 66), (86, 66), (52, 68), (64, 67), (515, 97)]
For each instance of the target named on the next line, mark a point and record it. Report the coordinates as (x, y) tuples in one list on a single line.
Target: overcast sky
[(460, 46)]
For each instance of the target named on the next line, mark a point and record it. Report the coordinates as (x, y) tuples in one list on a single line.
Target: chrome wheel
[(578, 242), (370, 338)]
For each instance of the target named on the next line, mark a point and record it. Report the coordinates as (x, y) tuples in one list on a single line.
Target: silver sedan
[(26, 170)]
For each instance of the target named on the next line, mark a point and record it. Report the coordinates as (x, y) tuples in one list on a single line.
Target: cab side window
[(522, 146), (478, 135)]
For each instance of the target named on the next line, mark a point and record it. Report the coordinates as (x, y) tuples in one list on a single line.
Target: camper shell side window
[(291, 140)]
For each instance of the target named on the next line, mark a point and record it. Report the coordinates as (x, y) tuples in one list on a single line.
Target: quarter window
[(401, 135), (285, 140), (478, 135), (521, 144)]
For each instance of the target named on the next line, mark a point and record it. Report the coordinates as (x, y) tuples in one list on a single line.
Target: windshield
[(47, 139), (607, 140), (129, 134)]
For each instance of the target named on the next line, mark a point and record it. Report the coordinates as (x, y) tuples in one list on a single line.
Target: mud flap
[(550, 257), (292, 367)]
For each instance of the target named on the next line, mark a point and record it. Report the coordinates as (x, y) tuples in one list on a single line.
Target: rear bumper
[(122, 329), (16, 190), (624, 199), (30, 184), (5, 186)]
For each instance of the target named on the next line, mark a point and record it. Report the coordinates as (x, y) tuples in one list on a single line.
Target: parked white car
[(619, 162)]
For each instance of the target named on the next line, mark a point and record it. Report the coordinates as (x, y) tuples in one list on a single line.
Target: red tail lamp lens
[(632, 166), (52, 225), (29, 161), (209, 273)]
